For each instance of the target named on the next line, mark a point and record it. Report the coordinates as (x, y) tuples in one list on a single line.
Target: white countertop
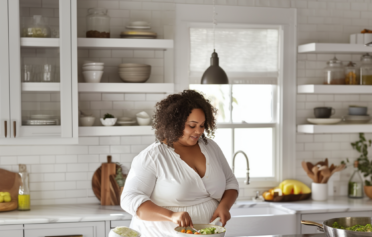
[(64, 213), (96, 212)]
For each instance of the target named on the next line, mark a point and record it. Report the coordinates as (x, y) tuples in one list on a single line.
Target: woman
[(184, 178)]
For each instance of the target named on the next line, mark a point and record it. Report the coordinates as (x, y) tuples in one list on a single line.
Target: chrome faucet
[(233, 165)]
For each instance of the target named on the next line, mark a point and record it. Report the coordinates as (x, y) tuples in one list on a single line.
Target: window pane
[(239, 50), (252, 103), (219, 96), (223, 139), (257, 144)]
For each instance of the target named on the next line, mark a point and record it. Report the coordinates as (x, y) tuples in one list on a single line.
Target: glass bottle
[(334, 73), (24, 190), (98, 23), (351, 74), (366, 69), (38, 28), (356, 183)]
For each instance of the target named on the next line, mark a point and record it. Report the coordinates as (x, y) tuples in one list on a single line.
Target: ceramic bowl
[(133, 65), (93, 68), (108, 121), (143, 121), (87, 121), (134, 79), (357, 110), (92, 76), (89, 63), (125, 119)]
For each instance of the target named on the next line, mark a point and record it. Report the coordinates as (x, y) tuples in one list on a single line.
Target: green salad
[(209, 231), (358, 228)]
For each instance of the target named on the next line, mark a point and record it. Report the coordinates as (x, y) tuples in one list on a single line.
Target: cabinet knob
[(5, 128), (14, 128)]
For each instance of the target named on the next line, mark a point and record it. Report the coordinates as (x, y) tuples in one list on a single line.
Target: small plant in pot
[(363, 163), (108, 120)]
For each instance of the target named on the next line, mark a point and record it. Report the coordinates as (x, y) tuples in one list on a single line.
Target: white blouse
[(160, 175)]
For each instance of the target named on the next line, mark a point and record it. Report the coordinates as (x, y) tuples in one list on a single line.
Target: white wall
[(62, 174)]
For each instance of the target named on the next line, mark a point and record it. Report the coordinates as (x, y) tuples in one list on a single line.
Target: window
[(256, 111)]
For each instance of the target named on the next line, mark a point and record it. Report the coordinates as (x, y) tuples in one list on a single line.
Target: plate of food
[(202, 229)]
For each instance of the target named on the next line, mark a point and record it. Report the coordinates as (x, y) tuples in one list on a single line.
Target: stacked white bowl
[(93, 71), (134, 72)]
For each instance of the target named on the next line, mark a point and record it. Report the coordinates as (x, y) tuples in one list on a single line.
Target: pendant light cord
[(214, 25)]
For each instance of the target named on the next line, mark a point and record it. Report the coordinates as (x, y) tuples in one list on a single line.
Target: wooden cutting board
[(114, 189), (107, 169), (9, 182)]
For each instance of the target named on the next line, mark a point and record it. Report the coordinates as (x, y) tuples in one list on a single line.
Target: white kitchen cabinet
[(11, 230), (18, 103), (320, 217), (84, 229)]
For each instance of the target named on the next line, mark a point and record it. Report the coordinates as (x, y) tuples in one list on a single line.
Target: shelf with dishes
[(356, 121), (115, 131)]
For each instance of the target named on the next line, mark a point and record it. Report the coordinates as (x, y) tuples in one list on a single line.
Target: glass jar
[(351, 74), (366, 70), (37, 28), (334, 73), (355, 189), (98, 23), (24, 190)]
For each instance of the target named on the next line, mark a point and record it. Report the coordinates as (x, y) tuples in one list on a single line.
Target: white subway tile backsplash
[(88, 158), (66, 159), (135, 97), (60, 168), (42, 186), (47, 159), (130, 140), (133, 5), (120, 149), (77, 176), (109, 5), (77, 167), (101, 105), (99, 149), (9, 160), (112, 97), (109, 140), (54, 177), (68, 185), (42, 168), (29, 159)]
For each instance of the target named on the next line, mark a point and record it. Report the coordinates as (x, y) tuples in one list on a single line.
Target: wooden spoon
[(315, 171), (338, 168), (307, 170), (326, 173)]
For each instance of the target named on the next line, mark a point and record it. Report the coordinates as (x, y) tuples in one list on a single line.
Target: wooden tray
[(9, 182), (290, 198), (9, 206)]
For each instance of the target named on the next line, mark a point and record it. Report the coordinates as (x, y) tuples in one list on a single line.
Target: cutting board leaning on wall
[(9, 182)]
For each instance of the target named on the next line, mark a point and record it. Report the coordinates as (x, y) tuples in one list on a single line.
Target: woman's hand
[(182, 219), (223, 212)]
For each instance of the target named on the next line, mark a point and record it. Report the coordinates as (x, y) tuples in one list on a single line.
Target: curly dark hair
[(171, 114)]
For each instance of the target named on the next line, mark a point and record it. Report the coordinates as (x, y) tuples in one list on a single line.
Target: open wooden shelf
[(126, 43), (336, 128), (115, 131), (335, 89), (334, 48), (127, 87)]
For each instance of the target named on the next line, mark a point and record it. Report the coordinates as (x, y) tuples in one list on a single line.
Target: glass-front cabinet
[(38, 79)]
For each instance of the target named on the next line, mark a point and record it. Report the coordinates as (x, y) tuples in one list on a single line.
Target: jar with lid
[(334, 73), (98, 23), (38, 28), (366, 70), (351, 74)]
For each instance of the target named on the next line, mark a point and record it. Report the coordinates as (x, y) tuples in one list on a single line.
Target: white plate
[(324, 121), (41, 116), (138, 27), (125, 123)]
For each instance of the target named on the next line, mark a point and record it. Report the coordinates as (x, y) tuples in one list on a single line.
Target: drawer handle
[(65, 236), (14, 128), (6, 128)]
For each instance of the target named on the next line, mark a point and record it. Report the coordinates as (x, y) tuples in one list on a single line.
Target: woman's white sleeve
[(231, 181), (139, 184)]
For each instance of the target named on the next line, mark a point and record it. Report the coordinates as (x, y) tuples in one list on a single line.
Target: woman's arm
[(223, 209), (149, 211)]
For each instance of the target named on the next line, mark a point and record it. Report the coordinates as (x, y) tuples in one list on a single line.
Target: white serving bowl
[(108, 121), (134, 79), (143, 121), (88, 63), (87, 121), (92, 76), (93, 68)]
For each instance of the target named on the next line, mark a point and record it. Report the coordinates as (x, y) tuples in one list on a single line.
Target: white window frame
[(286, 19)]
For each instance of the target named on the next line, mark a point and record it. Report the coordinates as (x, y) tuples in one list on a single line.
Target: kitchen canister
[(319, 191)]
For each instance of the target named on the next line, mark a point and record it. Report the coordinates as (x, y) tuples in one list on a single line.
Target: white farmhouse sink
[(251, 218)]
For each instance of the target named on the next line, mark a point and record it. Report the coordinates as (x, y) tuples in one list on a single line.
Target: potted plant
[(364, 165)]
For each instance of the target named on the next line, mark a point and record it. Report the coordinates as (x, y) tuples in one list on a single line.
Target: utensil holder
[(319, 192)]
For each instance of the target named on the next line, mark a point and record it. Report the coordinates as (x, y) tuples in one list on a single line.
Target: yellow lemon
[(1, 194), (1, 199), (7, 199), (6, 194)]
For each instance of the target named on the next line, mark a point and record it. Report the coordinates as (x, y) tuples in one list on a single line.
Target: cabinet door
[(4, 73), (11, 230), (43, 78), (84, 229)]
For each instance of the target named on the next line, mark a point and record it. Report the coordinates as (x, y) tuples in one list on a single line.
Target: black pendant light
[(214, 73)]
